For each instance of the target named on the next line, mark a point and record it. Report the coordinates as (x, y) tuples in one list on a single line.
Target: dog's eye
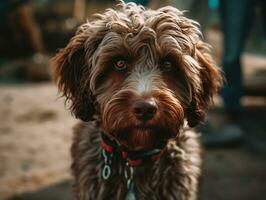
[(120, 65), (166, 65)]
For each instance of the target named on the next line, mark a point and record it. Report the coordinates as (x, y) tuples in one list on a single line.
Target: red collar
[(133, 158)]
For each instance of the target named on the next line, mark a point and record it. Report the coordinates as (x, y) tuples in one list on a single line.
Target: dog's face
[(142, 72)]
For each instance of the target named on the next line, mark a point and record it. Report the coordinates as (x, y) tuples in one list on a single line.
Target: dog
[(139, 80)]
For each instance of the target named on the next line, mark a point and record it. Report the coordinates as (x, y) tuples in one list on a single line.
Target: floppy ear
[(71, 72), (211, 81)]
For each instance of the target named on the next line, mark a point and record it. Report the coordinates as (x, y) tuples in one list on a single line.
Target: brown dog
[(138, 79)]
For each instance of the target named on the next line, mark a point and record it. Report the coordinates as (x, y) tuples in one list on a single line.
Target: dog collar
[(132, 158)]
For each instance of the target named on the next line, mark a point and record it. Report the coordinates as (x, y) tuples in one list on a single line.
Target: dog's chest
[(166, 178)]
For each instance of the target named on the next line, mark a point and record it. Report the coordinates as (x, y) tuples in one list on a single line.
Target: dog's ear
[(71, 67), (211, 81)]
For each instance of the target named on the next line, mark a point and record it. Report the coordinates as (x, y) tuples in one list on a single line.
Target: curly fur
[(102, 97), (174, 176)]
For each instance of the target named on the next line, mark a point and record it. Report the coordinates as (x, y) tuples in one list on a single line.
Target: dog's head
[(142, 72)]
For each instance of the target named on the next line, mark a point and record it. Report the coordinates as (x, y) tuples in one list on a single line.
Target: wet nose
[(144, 110)]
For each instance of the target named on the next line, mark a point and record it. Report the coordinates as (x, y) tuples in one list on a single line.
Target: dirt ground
[(34, 138)]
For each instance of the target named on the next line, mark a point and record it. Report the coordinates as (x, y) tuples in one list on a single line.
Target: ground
[(35, 136)]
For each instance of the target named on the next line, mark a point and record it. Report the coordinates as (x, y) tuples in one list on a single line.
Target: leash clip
[(128, 173)]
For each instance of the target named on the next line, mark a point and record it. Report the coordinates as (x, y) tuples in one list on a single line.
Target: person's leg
[(236, 18)]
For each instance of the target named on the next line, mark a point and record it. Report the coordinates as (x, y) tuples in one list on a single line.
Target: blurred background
[(35, 128)]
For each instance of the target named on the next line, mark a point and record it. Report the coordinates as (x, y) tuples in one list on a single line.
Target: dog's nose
[(144, 110)]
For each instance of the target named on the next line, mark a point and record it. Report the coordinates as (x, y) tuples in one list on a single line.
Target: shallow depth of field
[(36, 127)]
